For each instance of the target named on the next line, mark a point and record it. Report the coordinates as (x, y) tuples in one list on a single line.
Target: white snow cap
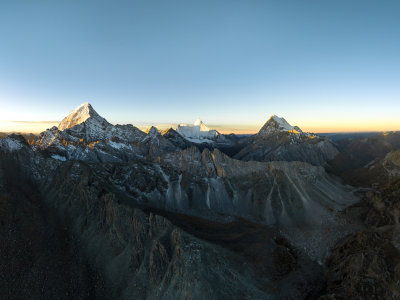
[(277, 124), (197, 131), (198, 122), (202, 126), (282, 123), (78, 116)]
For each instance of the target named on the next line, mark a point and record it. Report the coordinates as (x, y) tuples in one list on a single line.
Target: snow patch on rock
[(58, 157), (10, 144)]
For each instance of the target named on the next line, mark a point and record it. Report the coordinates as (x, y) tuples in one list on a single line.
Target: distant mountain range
[(96, 210)]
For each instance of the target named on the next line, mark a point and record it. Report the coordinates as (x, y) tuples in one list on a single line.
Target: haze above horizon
[(326, 66)]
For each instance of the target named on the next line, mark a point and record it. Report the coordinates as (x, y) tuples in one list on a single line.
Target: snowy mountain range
[(190, 151), (84, 134), (169, 213)]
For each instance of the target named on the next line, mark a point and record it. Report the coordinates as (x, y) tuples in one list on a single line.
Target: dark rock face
[(70, 234)]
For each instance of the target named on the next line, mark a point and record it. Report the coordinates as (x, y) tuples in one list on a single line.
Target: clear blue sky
[(229, 62)]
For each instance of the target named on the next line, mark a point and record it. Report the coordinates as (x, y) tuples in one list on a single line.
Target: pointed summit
[(153, 131), (281, 123), (202, 126), (80, 115), (277, 124), (198, 122)]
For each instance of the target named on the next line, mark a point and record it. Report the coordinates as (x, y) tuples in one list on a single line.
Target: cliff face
[(283, 193), (143, 255), (71, 234)]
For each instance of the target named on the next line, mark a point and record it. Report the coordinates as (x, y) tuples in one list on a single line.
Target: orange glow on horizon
[(26, 126), (310, 126)]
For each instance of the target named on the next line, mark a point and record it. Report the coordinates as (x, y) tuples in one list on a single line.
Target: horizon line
[(163, 126)]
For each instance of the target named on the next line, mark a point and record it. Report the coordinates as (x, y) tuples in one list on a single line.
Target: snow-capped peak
[(78, 116), (279, 124), (282, 123), (198, 132), (198, 122), (202, 126)]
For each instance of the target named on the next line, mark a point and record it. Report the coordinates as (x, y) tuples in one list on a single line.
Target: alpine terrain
[(92, 210)]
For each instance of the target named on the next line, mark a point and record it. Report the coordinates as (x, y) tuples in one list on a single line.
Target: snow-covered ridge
[(198, 132)]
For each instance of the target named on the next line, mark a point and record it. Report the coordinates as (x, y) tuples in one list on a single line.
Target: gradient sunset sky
[(324, 65)]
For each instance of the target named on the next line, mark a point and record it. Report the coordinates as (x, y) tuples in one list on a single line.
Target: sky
[(324, 65)]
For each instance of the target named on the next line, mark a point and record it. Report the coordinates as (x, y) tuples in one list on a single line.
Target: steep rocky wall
[(145, 256)]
